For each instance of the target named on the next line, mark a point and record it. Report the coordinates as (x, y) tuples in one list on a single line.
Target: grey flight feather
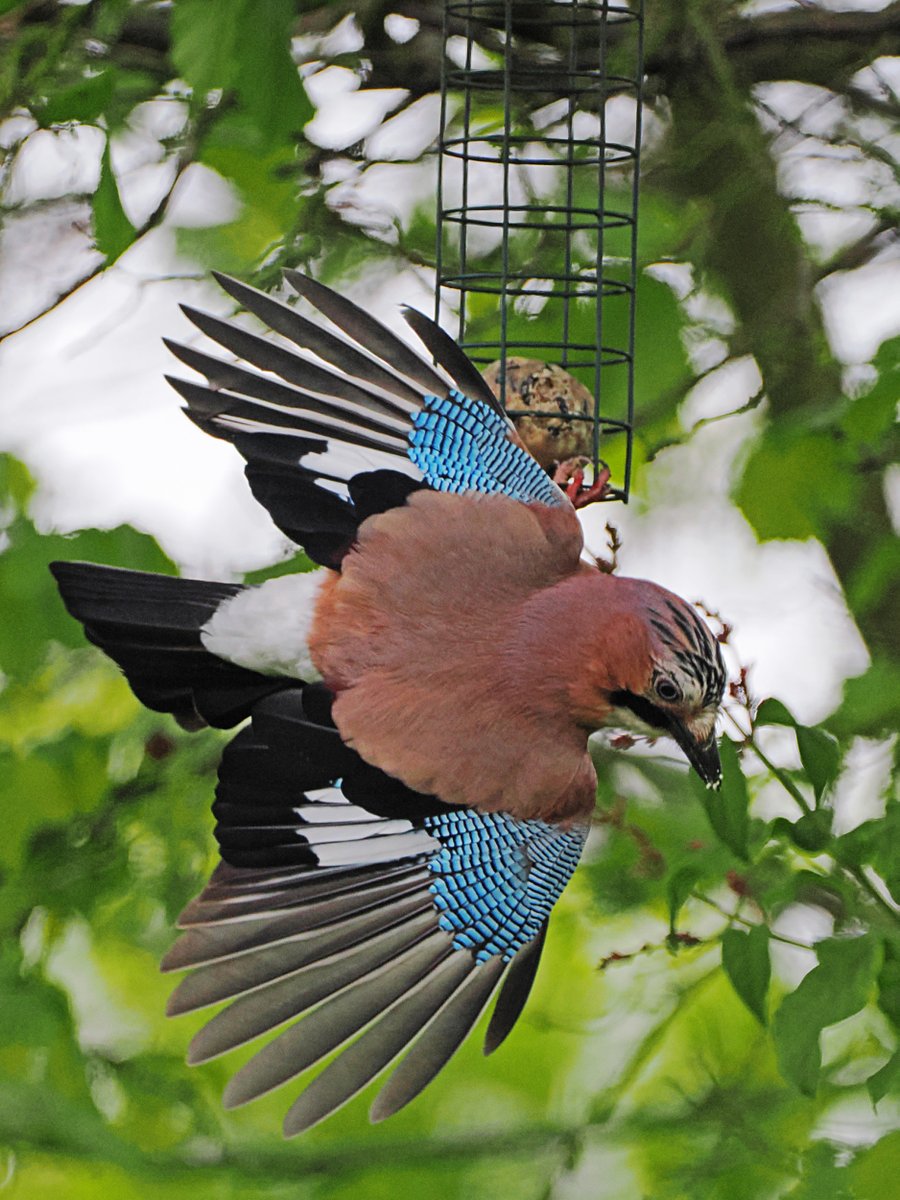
[(514, 993), (224, 902), (248, 384), (330, 1026), (227, 978), (287, 997), (214, 405), (268, 356), (378, 1046), (368, 332), (442, 1038), (309, 336), (204, 944), (454, 361)]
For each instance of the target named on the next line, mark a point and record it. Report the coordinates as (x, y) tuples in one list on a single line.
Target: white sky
[(84, 404)]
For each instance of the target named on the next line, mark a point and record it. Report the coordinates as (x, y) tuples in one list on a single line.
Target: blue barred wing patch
[(462, 445), (496, 879)]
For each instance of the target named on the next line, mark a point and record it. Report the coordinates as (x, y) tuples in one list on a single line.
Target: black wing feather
[(515, 992), (368, 331), (309, 336), (455, 362), (150, 625), (300, 372)]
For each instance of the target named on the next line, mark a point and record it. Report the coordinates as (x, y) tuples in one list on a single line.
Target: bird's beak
[(702, 755)]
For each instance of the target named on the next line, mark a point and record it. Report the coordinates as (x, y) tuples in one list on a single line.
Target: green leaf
[(33, 613), (727, 807), (876, 844), (29, 776), (36, 1115), (885, 1078), (811, 832), (875, 574), (859, 846), (886, 854), (832, 991), (872, 416), (265, 180), (84, 101), (773, 712), (294, 565), (113, 232), (823, 1178), (745, 958), (871, 701), (889, 984), (244, 46), (205, 42), (267, 80), (796, 483), (873, 1173), (819, 751), (678, 889), (820, 755), (16, 486)]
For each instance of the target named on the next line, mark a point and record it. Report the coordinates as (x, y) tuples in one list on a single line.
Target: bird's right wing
[(382, 919), (355, 400)]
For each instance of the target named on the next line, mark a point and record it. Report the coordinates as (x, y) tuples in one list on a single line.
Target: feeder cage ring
[(538, 164)]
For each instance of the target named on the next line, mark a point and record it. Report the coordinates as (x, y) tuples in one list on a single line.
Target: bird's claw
[(569, 475)]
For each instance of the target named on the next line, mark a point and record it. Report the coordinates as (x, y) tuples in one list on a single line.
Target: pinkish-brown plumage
[(472, 651)]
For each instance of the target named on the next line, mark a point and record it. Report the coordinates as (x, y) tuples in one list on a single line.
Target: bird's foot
[(566, 470), (569, 475)]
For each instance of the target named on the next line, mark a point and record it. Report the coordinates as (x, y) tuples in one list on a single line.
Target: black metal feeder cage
[(537, 201)]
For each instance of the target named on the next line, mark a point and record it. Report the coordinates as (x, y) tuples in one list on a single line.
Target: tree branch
[(864, 249), (809, 45), (183, 159), (751, 243)]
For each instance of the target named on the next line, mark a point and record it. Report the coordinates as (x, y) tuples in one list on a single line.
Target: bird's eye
[(667, 690)]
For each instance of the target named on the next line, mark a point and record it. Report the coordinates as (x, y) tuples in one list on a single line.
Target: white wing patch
[(385, 848), (266, 628)]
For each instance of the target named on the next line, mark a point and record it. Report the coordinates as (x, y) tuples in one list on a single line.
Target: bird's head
[(659, 670), (676, 703)]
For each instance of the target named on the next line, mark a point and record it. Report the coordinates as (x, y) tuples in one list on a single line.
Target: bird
[(408, 788)]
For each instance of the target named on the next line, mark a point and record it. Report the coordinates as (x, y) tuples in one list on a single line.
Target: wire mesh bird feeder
[(537, 203)]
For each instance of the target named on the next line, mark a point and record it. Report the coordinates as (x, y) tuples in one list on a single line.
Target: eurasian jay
[(410, 787)]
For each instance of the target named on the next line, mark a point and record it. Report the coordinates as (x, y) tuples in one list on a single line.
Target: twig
[(736, 918), (856, 873), (867, 885), (783, 778), (858, 253)]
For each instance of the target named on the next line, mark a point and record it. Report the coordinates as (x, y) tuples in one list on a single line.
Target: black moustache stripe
[(648, 712)]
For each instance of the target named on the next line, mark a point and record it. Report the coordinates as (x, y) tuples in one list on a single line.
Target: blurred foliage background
[(718, 1007)]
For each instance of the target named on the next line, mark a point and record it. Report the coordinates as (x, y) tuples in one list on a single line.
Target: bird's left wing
[(355, 398), (382, 919)]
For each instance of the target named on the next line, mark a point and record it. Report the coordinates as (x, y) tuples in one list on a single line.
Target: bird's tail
[(151, 626)]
